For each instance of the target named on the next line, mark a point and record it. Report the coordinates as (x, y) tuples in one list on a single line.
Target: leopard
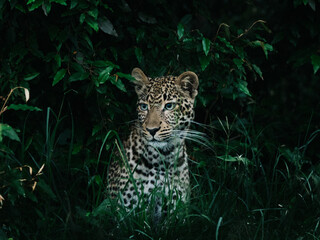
[(154, 157)]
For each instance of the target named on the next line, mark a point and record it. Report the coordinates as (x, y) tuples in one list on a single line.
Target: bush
[(258, 71)]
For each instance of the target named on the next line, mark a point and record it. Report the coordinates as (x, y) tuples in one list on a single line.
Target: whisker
[(131, 121), (205, 126), (194, 136)]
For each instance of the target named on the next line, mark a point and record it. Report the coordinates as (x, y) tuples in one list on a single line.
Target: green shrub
[(258, 103)]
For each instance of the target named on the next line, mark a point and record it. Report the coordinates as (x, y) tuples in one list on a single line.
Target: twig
[(247, 30), (4, 108), (222, 24)]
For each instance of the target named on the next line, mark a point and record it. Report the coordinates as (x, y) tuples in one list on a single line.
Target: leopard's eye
[(143, 106), (169, 106)]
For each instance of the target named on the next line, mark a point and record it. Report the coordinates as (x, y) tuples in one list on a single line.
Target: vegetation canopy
[(67, 100)]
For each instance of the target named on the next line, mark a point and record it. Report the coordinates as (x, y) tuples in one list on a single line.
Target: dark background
[(257, 63)]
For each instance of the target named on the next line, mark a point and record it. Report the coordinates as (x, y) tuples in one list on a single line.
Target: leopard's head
[(165, 106)]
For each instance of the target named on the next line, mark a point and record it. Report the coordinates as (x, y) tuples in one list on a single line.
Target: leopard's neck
[(170, 154)]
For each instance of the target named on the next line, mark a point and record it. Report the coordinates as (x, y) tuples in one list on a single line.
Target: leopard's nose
[(153, 131)]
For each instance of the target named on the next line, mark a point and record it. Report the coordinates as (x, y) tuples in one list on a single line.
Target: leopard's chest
[(153, 171)]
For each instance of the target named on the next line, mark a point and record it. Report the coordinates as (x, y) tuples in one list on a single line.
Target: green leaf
[(88, 40), (46, 7), (100, 63), (180, 30), (59, 75), (239, 158), (113, 65), (265, 47), (31, 196), (206, 45), (104, 75), (36, 4), (47, 189), (31, 76), (106, 6), (95, 179), (186, 19), (106, 26), (18, 6), (93, 13), (228, 158), (114, 53), (77, 67), (8, 131), (203, 100), (138, 53), (238, 62), (140, 35), (23, 107), (92, 23), (204, 61), (73, 4), (118, 83), (257, 70), (61, 2), (82, 18), (226, 42), (242, 87), (126, 76), (96, 128), (147, 18), (312, 4), (17, 186), (202, 164), (57, 58), (78, 76), (101, 209), (76, 148), (315, 60)]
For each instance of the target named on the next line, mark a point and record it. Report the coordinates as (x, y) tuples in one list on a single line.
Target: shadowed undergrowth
[(238, 191), (255, 174)]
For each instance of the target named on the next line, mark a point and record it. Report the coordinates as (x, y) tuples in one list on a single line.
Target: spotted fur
[(154, 159)]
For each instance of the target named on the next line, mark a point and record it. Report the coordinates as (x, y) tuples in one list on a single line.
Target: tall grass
[(240, 189)]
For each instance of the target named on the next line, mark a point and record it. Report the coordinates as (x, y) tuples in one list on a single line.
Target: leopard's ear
[(140, 79), (188, 83)]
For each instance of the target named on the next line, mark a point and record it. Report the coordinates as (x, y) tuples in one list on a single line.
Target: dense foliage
[(66, 96)]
